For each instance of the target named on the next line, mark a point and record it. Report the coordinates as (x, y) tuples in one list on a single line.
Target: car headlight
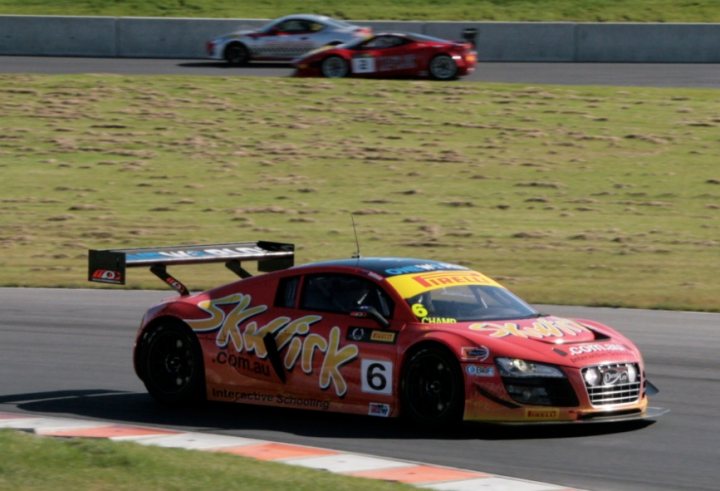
[(535, 384), (516, 367), (592, 377)]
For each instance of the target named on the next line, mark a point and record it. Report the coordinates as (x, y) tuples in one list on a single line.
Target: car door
[(288, 39), (385, 55), (235, 326), (342, 358), (315, 35)]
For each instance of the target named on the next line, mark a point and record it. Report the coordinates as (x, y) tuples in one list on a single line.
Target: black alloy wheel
[(334, 67), (443, 67), (236, 54), (172, 366), (432, 388)]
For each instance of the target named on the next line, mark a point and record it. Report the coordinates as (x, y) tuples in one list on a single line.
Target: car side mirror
[(365, 311)]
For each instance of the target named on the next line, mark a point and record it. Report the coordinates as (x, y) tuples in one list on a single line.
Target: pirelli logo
[(366, 335), (449, 278), (411, 284), (382, 337), (542, 413)]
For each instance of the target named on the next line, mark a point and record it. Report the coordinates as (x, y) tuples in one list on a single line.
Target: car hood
[(546, 329), (240, 33), (570, 342)]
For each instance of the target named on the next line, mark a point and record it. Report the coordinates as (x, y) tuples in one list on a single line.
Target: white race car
[(284, 39)]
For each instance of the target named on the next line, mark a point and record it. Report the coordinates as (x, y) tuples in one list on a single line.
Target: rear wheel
[(171, 363), (236, 54), (432, 388), (334, 67), (443, 67)]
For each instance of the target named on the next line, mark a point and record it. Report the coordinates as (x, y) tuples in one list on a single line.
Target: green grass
[(36, 463), (573, 195), (474, 10)]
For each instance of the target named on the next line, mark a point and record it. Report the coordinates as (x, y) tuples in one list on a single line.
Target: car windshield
[(267, 27), (462, 303), (355, 44), (338, 23), (425, 37)]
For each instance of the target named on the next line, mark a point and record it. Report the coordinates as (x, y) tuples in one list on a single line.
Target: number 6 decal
[(377, 376)]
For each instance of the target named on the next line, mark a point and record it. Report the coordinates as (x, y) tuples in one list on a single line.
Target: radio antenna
[(357, 242)]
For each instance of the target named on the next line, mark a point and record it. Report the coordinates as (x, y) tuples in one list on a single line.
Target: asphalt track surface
[(619, 74), (68, 353)]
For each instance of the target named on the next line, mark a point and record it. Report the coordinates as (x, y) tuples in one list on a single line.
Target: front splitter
[(651, 413)]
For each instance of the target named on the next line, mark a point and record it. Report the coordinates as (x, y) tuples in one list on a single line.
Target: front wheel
[(432, 388), (236, 54), (443, 67), (334, 67), (171, 364)]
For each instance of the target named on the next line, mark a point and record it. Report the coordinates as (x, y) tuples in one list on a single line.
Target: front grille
[(618, 383)]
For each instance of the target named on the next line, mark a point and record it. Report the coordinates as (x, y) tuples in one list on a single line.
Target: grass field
[(595, 196), (477, 10), (102, 464)]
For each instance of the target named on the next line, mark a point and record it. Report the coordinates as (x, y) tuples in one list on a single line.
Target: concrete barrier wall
[(81, 36), (512, 41), (173, 38), (497, 41), (649, 43)]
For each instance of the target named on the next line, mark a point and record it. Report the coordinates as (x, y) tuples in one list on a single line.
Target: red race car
[(391, 55), (429, 340)]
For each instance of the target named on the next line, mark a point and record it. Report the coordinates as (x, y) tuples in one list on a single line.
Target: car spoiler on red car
[(108, 266)]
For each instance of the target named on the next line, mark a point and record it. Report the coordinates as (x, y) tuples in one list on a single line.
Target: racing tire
[(432, 391), (171, 365), (443, 67), (334, 67), (236, 54)]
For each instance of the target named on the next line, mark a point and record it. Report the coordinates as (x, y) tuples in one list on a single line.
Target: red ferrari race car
[(432, 341), (391, 55)]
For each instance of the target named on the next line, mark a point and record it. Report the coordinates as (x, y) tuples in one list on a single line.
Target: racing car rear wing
[(108, 266)]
